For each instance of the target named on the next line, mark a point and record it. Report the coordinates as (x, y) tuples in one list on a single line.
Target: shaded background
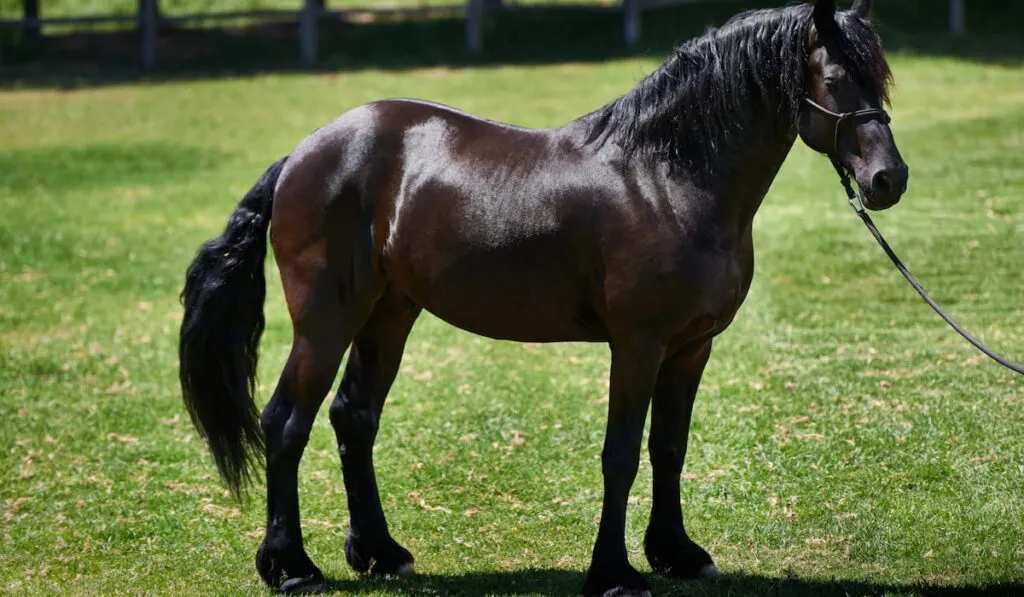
[(423, 33)]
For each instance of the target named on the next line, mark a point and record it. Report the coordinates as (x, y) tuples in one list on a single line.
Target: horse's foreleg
[(668, 548), (355, 415), (633, 372)]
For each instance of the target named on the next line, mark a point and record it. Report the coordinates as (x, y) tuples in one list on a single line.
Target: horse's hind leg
[(669, 549), (355, 414), (323, 328)]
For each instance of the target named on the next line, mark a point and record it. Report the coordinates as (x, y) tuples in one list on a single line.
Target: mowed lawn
[(845, 440)]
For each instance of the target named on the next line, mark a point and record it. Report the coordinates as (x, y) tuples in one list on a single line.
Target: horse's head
[(846, 83)]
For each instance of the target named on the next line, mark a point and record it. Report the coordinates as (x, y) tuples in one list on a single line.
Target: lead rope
[(858, 208)]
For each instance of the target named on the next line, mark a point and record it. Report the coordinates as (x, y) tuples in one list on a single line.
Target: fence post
[(631, 18), (956, 17), (33, 32), (148, 25), (475, 25), (308, 22)]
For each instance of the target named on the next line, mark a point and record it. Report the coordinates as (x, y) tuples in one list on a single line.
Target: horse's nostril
[(882, 182), (889, 181)]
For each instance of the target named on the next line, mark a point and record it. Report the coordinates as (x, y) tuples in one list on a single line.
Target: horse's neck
[(742, 178)]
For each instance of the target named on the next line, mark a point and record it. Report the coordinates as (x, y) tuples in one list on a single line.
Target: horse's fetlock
[(279, 545)]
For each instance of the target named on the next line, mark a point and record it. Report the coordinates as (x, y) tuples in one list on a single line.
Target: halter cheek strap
[(841, 117), (858, 207)]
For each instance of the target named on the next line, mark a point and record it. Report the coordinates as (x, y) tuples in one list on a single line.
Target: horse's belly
[(522, 299), (521, 321), (493, 254)]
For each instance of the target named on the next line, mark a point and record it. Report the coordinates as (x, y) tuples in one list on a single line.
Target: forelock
[(861, 51)]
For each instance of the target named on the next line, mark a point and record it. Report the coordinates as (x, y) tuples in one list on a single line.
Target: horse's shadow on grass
[(567, 582)]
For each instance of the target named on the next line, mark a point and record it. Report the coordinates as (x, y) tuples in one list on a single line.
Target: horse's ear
[(825, 17), (861, 8)]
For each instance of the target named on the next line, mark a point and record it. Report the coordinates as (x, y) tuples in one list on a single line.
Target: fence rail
[(149, 19)]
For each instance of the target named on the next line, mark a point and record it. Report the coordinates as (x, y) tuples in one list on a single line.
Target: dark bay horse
[(630, 225)]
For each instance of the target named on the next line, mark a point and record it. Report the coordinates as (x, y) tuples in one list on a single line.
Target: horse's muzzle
[(886, 187)]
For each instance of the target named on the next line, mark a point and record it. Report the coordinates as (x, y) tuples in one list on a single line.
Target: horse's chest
[(725, 291), (698, 292), (718, 281)]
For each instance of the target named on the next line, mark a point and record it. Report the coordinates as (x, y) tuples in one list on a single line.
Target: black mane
[(706, 96)]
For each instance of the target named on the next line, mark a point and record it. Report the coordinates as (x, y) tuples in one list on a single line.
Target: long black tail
[(220, 335)]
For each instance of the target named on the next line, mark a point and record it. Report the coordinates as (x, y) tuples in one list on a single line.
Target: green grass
[(844, 440)]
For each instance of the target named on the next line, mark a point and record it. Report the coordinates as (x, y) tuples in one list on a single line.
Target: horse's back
[(492, 227), (487, 225)]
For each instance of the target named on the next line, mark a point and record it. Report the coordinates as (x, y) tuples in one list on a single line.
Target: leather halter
[(858, 208), (841, 117)]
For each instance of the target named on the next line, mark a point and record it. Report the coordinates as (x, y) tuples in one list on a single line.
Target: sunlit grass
[(842, 431)]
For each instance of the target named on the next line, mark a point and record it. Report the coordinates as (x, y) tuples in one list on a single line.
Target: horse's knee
[(667, 457), (619, 464)]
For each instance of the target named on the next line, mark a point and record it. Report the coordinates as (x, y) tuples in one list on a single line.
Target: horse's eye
[(831, 83)]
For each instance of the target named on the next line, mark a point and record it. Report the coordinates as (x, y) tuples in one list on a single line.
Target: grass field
[(845, 441)]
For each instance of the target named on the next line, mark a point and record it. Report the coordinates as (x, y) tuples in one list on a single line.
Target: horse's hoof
[(406, 569), (356, 556), (269, 567), (623, 583), (288, 572), (388, 557), (305, 585), (395, 562), (624, 592), (673, 554)]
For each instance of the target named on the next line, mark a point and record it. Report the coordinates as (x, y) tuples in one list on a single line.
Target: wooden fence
[(149, 19)]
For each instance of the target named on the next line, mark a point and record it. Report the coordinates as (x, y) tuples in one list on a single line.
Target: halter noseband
[(844, 116), (858, 208), (840, 117)]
